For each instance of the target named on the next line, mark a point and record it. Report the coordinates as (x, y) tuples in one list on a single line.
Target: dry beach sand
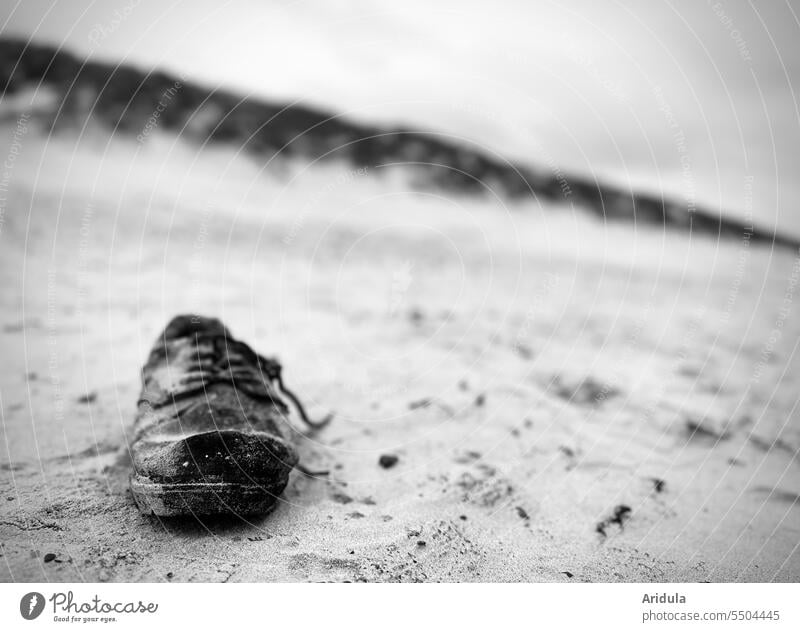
[(567, 400)]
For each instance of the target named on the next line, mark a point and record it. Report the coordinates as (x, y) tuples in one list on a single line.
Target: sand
[(567, 400)]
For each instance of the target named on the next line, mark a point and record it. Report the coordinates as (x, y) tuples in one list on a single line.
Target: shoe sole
[(200, 499)]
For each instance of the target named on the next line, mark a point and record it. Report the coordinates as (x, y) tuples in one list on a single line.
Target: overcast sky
[(590, 86)]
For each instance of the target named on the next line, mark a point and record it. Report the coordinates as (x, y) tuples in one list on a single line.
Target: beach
[(568, 400)]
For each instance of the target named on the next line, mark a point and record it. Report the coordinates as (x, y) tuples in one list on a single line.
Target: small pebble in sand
[(523, 351), (416, 316), (462, 517), (49, 557), (170, 575), (88, 398), (388, 460), (420, 543), (480, 400), (568, 574), (467, 457)]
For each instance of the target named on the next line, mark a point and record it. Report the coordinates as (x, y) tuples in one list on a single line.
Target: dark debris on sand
[(704, 431), (620, 514)]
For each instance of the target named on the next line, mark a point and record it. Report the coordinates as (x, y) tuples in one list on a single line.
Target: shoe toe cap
[(220, 456)]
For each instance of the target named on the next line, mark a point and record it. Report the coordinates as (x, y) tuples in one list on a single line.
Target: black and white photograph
[(297, 291)]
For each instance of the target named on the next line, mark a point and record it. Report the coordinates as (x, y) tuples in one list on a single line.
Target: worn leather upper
[(209, 411)]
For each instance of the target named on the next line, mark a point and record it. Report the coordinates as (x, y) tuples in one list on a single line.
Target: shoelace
[(230, 362)]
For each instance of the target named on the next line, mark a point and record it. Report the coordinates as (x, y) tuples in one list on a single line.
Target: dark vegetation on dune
[(125, 98)]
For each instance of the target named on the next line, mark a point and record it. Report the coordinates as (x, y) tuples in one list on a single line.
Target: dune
[(130, 101)]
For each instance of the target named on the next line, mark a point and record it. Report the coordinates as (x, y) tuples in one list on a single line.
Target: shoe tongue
[(187, 325)]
